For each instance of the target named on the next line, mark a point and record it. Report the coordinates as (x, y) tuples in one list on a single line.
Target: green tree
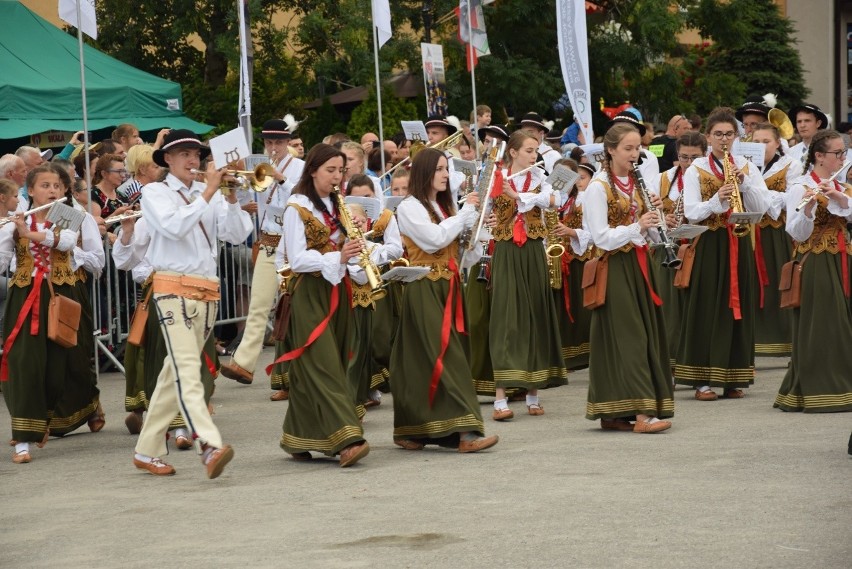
[(365, 117), (756, 44)]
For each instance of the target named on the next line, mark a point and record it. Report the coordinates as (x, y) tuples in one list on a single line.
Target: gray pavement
[(734, 484)]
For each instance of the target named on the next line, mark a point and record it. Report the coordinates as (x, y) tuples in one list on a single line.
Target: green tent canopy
[(40, 83)]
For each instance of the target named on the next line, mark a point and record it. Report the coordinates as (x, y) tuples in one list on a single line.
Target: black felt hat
[(275, 129), (440, 120), (627, 117), (808, 108), (180, 138)]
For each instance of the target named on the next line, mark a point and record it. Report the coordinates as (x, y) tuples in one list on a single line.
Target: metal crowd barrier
[(114, 296)]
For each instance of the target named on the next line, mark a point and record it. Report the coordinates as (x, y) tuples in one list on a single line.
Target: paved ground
[(733, 484)]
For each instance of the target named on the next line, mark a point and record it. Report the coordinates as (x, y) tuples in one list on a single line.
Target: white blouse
[(799, 225), (753, 189)]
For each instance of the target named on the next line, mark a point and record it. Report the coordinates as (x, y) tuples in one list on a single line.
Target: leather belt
[(194, 288)]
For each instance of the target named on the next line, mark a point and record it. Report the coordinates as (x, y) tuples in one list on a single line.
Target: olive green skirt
[(455, 408), (574, 320), (37, 367), (629, 372), (81, 396), (673, 300), (524, 342), (715, 349), (360, 370), (321, 412), (478, 307), (819, 379), (772, 325), (384, 322), (135, 397)]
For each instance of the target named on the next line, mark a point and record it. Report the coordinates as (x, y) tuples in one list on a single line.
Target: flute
[(807, 200), (122, 217), (11, 218), (525, 170)]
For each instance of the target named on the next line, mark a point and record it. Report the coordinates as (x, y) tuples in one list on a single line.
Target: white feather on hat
[(830, 120), (454, 120), (770, 99), (292, 123), (549, 125)]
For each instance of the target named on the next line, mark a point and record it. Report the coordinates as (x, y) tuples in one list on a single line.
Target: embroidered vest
[(618, 211), (505, 209), (665, 190), (574, 220), (317, 233), (826, 228), (709, 184), (60, 266), (777, 182), (439, 261)]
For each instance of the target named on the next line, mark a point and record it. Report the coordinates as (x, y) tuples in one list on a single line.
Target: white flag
[(382, 20), (89, 22), (574, 57)]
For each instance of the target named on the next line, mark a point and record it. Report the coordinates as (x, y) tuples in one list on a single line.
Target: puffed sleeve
[(694, 208), (595, 222), (415, 222), (294, 248)]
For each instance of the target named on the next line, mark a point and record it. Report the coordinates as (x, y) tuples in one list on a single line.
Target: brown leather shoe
[(133, 422), (44, 439), (479, 444), (301, 456), (616, 425), (156, 467), (733, 394), (408, 444), (656, 427), (502, 414), (237, 373), (535, 409), (217, 460), (353, 453), (97, 420), (21, 457), (280, 395), (706, 395), (183, 442)]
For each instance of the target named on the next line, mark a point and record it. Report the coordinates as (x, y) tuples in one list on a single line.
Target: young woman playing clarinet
[(33, 369), (629, 373), (818, 379), (434, 400), (773, 325), (321, 413), (717, 342), (523, 307)]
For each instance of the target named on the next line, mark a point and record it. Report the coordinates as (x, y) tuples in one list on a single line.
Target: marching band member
[(264, 284), (142, 364), (649, 166), (519, 283), (574, 320), (433, 396), (818, 379), (80, 400), (185, 220), (772, 325), (629, 373), (689, 147), (321, 415), (438, 128), (33, 368), (808, 120), (536, 127), (717, 341)]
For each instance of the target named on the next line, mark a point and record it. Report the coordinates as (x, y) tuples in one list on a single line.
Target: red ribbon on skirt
[(642, 257), (32, 303), (453, 314), (316, 333), (844, 263), (566, 292), (733, 262), (760, 260)]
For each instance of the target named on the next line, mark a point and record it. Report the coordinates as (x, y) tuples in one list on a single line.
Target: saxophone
[(374, 276), (740, 229), (555, 248)]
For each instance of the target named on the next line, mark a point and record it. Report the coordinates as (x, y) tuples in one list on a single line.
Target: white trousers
[(264, 288), (185, 325)]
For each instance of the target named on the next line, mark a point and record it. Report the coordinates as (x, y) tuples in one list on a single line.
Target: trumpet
[(807, 200), (119, 218), (419, 145), (11, 218), (257, 180)]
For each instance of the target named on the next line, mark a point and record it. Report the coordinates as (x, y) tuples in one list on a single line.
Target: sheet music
[(66, 217), (405, 274)]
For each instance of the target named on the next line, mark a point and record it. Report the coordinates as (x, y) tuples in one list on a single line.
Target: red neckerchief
[(679, 180), (330, 221), (720, 174), (627, 189), (519, 232)]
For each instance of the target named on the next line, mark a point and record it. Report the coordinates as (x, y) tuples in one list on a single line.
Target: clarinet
[(671, 261)]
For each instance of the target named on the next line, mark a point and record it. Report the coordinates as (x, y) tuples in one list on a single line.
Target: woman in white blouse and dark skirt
[(321, 414)]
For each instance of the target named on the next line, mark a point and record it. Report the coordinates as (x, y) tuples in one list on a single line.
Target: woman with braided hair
[(629, 373)]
